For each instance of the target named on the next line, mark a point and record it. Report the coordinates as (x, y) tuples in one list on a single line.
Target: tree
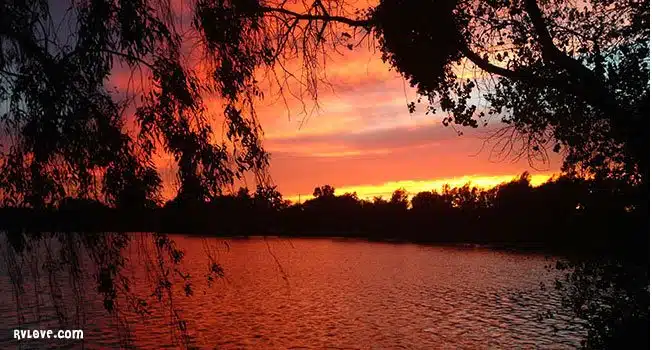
[(243, 194), (67, 134), (399, 199), (431, 202), (424, 201), (269, 198), (558, 73), (466, 197), (353, 196), (513, 196), (326, 191)]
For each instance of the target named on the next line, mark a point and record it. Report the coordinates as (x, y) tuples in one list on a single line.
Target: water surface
[(321, 293)]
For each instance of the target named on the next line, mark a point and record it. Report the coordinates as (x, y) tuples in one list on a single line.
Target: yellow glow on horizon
[(415, 186)]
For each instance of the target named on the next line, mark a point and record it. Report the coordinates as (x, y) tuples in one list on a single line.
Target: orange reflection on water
[(280, 293), (319, 293)]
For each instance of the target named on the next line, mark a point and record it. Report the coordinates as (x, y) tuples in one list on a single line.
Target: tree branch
[(493, 69), (590, 86), (129, 57), (324, 17), (557, 83)]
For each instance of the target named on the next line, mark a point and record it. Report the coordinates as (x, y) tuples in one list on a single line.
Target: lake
[(313, 293)]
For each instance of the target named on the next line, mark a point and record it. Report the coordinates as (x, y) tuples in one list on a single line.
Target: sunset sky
[(363, 139)]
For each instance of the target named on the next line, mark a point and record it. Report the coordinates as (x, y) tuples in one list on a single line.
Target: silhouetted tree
[(243, 193), (399, 199), (65, 133), (571, 75), (513, 195), (378, 200), (324, 191), (465, 197), (269, 198), (429, 202), (68, 135)]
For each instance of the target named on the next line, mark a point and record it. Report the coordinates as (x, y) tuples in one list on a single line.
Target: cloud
[(300, 172), (356, 143)]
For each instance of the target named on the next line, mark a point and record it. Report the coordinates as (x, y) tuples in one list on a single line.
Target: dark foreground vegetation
[(565, 215)]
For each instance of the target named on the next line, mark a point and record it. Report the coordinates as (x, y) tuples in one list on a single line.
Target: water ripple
[(338, 295)]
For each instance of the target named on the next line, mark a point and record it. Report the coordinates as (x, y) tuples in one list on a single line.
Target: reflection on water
[(299, 293)]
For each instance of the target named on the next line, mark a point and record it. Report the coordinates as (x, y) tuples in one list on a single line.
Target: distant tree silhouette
[(514, 195), (465, 197), (243, 194), (378, 200), (430, 202), (324, 191), (353, 196), (269, 198), (399, 199)]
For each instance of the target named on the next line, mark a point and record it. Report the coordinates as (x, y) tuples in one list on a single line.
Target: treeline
[(563, 213)]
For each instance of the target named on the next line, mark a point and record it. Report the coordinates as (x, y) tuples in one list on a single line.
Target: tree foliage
[(326, 191), (571, 75), (67, 134)]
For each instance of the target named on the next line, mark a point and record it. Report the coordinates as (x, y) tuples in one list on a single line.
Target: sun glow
[(415, 186)]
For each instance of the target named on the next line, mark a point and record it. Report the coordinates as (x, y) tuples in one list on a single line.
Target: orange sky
[(363, 139)]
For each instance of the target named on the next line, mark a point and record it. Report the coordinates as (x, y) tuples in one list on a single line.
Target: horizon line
[(412, 187)]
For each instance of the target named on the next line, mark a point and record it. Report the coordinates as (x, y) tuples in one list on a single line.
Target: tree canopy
[(563, 75), (67, 134), (571, 75)]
